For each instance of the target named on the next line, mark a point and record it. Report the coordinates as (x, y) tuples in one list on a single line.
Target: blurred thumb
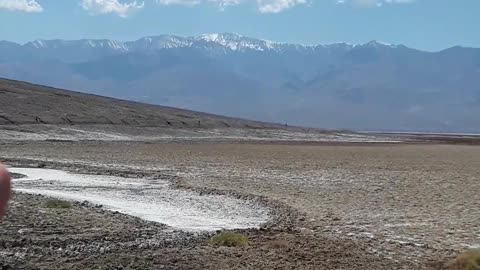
[(4, 189)]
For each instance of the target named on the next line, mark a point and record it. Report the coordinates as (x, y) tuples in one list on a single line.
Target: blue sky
[(423, 24)]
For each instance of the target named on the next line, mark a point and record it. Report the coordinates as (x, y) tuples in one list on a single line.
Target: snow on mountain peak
[(214, 41), (159, 42), (217, 37), (209, 37), (38, 44), (377, 44), (83, 43), (235, 42)]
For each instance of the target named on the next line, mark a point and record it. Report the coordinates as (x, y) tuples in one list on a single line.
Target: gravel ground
[(85, 237), (359, 207)]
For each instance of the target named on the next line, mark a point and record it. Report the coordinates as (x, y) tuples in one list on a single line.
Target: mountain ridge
[(371, 86), (229, 40)]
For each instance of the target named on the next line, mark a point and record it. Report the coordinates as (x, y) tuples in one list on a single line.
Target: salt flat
[(149, 199)]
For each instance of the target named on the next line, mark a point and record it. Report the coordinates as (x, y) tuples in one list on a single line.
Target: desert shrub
[(469, 260), (229, 239), (57, 204)]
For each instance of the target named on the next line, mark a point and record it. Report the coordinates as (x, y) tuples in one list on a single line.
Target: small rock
[(23, 231)]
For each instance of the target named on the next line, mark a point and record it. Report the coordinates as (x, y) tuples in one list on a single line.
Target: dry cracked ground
[(368, 206)]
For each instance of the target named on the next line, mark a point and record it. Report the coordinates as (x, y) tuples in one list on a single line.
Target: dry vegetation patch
[(469, 260), (57, 204), (229, 239)]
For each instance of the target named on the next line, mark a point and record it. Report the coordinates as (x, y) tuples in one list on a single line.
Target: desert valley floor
[(148, 186), (384, 205)]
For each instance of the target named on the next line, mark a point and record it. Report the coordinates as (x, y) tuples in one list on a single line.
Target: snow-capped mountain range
[(74, 51), (371, 86), (229, 41)]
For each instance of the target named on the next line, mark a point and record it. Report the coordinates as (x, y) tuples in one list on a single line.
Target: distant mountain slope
[(371, 86), (24, 103)]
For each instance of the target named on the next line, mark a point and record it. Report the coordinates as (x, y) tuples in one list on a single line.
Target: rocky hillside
[(24, 103)]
